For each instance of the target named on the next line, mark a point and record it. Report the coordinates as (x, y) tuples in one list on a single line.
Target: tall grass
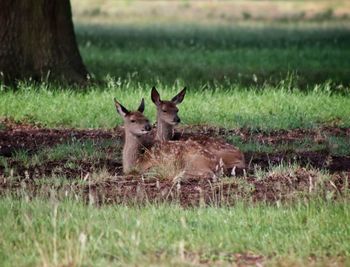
[(52, 233), (227, 106)]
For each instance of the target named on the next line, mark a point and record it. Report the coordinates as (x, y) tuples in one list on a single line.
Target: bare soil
[(120, 189)]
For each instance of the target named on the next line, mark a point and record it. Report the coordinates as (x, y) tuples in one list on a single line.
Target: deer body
[(164, 131), (167, 119), (191, 159), (131, 151), (188, 157)]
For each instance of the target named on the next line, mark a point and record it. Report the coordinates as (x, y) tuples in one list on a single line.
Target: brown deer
[(189, 157), (167, 119)]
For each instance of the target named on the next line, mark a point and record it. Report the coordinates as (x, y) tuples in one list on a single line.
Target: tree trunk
[(37, 41)]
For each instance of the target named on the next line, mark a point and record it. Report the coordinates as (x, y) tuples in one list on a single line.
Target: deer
[(168, 118), (191, 158)]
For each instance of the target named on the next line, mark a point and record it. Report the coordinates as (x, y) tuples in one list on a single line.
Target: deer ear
[(155, 96), (120, 108), (179, 97), (142, 106)]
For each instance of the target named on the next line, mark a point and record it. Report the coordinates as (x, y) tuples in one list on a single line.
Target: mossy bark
[(37, 41)]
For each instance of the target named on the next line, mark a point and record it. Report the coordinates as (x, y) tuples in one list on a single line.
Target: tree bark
[(37, 41)]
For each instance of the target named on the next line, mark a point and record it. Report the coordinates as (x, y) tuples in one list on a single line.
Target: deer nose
[(148, 127), (177, 120)]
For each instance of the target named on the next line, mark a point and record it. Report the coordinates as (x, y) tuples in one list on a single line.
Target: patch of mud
[(32, 138), (124, 189), (268, 137), (317, 159), (63, 168)]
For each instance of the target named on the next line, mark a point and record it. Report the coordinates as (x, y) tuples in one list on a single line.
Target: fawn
[(167, 119), (191, 158)]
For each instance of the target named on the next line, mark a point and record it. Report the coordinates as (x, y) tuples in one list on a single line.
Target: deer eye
[(164, 111), (132, 121)]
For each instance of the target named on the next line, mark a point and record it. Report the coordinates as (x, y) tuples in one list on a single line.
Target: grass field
[(74, 234), (274, 83)]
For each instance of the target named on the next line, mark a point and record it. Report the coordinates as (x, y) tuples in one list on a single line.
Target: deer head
[(167, 113), (135, 122)]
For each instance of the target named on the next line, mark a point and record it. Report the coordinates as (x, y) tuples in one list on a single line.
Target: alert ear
[(142, 106), (155, 96), (179, 97), (121, 109)]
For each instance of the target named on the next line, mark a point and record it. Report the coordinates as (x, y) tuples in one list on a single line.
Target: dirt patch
[(266, 137), (15, 176), (62, 168), (319, 159), (32, 138), (273, 188)]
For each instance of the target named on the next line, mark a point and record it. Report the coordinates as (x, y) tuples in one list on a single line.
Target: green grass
[(54, 233), (227, 106)]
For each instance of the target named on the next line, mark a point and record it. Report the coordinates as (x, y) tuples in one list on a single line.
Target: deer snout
[(148, 127), (177, 119)]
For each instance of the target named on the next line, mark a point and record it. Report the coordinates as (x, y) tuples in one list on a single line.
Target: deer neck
[(131, 152), (164, 131)]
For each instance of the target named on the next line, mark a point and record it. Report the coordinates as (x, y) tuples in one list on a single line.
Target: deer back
[(188, 157)]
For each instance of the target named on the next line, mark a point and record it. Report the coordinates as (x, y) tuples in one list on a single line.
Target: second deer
[(167, 119)]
